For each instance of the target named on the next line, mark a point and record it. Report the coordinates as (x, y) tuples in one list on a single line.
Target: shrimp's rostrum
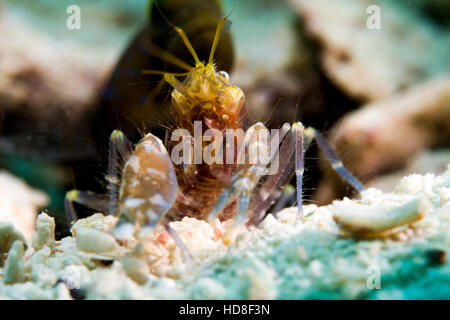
[(151, 189)]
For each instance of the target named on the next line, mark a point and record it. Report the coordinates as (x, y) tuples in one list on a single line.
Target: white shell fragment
[(371, 219), (137, 269), (93, 240)]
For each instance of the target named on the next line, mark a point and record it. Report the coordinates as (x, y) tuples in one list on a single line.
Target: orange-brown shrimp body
[(205, 97), (150, 185)]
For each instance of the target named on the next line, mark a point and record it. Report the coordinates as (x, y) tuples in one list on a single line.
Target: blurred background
[(374, 80)]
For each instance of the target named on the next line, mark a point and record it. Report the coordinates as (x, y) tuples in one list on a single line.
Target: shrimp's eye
[(225, 75)]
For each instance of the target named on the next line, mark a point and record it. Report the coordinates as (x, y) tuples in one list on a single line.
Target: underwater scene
[(223, 149)]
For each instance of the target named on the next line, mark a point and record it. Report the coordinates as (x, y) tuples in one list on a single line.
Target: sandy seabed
[(381, 246)]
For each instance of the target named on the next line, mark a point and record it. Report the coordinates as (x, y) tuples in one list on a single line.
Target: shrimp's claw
[(148, 188)]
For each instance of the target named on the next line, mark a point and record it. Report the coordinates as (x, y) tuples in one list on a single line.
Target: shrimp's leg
[(118, 144), (297, 139), (287, 195), (88, 199), (298, 131), (179, 242), (333, 159), (247, 176), (270, 189)]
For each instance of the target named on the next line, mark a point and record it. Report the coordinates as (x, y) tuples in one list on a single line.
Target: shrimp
[(154, 188)]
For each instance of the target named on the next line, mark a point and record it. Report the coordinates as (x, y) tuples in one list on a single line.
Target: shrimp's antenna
[(157, 52), (217, 35), (188, 44), (148, 71), (183, 36), (216, 39)]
